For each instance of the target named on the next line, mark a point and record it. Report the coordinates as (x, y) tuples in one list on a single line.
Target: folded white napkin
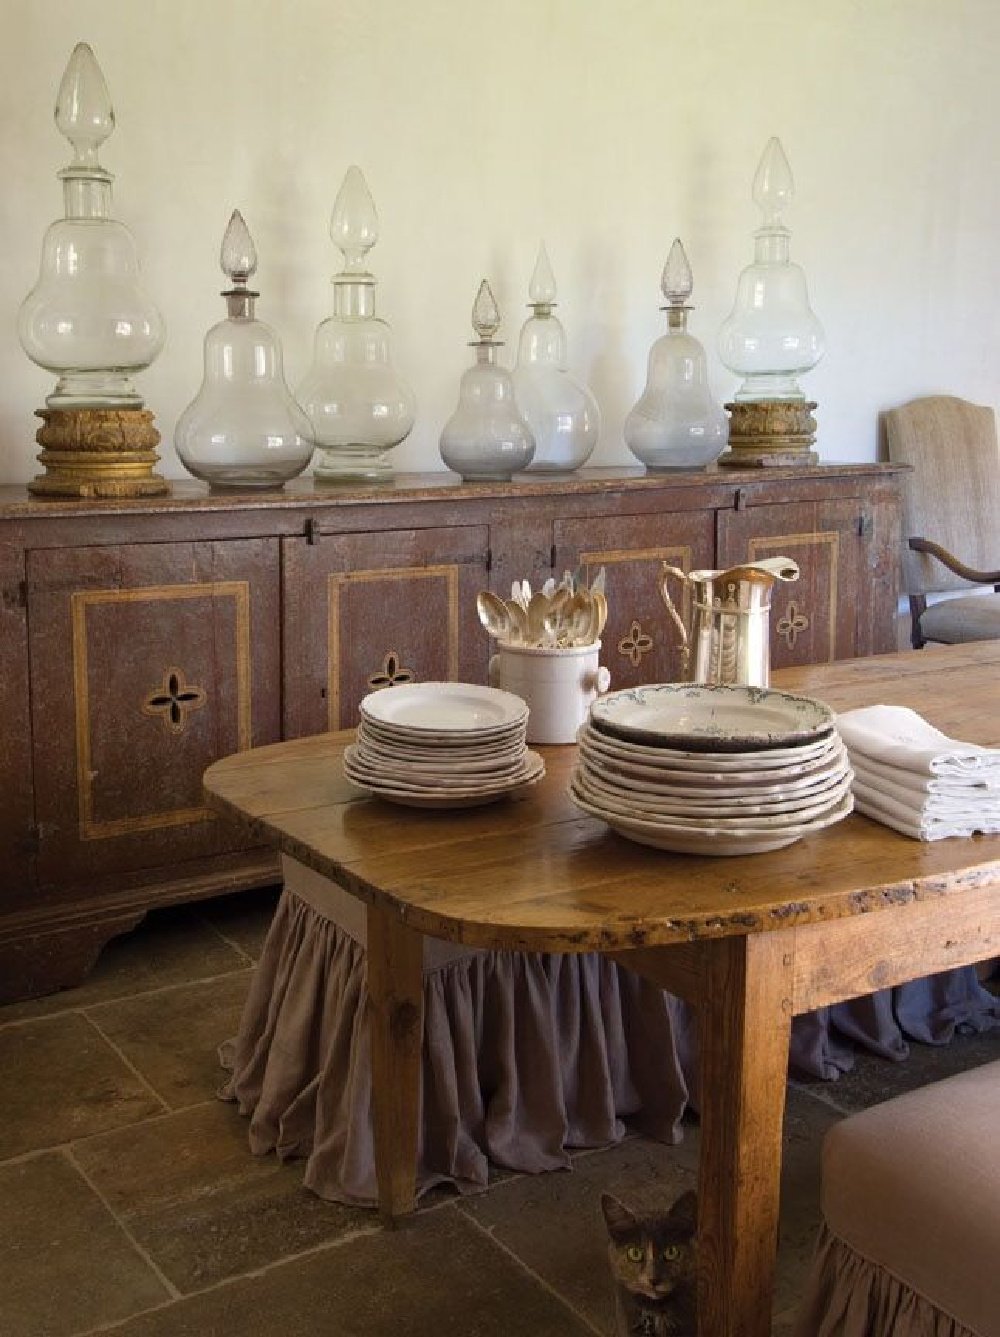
[(985, 783), (916, 779), (918, 822), (952, 799), (897, 737)]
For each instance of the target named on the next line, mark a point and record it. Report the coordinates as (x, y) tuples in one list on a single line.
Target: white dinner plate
[(445, 708), (429, 796), (391, 773), (735, 813), (448, 759), (710, 842), (781, 786), (698, 717), (683, 759), (603, 759)]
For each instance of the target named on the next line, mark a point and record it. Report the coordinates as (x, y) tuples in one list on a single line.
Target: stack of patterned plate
[(442, 745), (712, 770)]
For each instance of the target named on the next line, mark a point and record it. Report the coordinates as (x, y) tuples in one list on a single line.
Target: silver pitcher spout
[(729, 639)]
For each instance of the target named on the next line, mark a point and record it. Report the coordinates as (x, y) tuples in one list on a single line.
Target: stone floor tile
[(67, 1266), (172, 1037), (60, 1080), (202, 1207), (874, 1079), (243, 919), (437, 1274), (553, 1222), (170, 946)]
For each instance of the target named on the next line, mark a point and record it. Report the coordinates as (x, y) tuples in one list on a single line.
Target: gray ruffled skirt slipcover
[(525, 1055)]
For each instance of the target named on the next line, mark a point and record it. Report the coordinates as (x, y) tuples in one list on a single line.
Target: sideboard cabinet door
[(814, 619), (148, 663), (367, 611), (640, 643), (16, 805)]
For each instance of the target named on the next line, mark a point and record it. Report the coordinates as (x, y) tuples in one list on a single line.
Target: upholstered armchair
[(951, 516)]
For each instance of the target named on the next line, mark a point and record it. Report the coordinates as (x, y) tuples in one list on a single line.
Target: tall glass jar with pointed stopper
[(771, 336), (87, 319), (359, 405), (676, 424), (486, 438), (562, 414), (243, 428)]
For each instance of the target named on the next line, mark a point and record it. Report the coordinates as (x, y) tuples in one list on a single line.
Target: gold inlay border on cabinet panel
[(678, 555), (830, 538), (239, 592), (335, 583)]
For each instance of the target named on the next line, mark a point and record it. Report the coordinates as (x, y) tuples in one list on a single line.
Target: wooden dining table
[(750, 941)]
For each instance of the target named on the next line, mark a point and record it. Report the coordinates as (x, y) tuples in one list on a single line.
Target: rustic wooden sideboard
[(141, 640)]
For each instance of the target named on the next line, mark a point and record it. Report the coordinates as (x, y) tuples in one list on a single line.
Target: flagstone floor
[(130, 1204)]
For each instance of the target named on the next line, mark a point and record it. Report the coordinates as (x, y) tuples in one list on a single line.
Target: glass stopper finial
[(485, 312), (354, 222), (239, 255), (773, 187), (542, 288), (677, 282), (84, 113)]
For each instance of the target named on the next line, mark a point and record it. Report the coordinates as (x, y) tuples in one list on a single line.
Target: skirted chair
[(909, 1243), (951, 516)]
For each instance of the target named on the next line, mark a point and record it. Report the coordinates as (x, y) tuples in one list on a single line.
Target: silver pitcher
[(730, 620)]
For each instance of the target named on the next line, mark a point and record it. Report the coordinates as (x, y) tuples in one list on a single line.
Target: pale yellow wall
[(606, 126)]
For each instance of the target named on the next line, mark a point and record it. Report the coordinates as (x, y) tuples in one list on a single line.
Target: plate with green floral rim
[(702, 717)]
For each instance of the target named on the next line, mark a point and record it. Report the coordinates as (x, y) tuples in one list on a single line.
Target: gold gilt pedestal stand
[(98, 452), (770, 433)]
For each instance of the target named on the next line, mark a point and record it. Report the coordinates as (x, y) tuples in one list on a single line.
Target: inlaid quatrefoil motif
[(174, 700), (391, 673), (636, 644), (792, 621)]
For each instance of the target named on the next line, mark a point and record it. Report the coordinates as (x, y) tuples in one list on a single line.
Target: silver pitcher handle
[(665, 571)]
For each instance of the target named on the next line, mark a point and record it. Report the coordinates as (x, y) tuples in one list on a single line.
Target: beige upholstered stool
[(910, 1241)]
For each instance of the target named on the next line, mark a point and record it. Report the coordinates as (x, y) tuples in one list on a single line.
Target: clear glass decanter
[(676, 424), (771, 336), (486, 438), (243, 428), (562, 414), (359, 405), (87, 318)]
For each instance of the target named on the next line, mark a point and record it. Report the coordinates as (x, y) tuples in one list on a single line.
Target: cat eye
[(671, 1253), (633, 1253)]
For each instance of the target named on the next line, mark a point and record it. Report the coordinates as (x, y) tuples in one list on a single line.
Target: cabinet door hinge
[(15, 596)]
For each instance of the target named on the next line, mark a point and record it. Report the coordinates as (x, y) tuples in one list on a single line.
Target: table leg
[(396, 1001), (744, 1024)]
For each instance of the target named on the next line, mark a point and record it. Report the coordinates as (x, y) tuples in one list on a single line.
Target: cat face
[(653, 1256)]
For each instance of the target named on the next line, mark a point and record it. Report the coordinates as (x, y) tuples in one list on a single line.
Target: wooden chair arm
[(953, 564)]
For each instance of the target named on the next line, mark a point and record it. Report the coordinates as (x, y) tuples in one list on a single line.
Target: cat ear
[(684, 1212), (617, 1216)]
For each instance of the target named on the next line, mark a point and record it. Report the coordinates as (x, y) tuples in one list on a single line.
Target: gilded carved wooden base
[(770, 433), (98, 453)]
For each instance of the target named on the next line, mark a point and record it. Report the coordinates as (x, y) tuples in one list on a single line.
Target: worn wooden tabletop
[(536, 873)]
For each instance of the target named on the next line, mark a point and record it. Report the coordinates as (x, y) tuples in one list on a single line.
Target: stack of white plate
[(712, 770), (442, 745)]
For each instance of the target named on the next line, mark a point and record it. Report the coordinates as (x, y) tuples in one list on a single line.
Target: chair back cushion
[(953, 494)]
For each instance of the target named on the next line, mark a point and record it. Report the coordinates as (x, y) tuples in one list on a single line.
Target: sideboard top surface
[(16, 503)]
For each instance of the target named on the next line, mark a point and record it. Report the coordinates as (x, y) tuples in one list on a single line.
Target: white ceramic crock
[(557, 684)]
